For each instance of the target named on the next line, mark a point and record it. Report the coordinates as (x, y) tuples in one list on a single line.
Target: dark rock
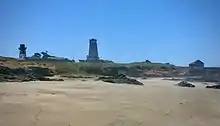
[(59, 79), (43, 79), (173, 79), (109, 80), (217, 86), (185, 84), (27, 80), (48, 79), (41, 71), (9, 77), (76, 76), (24, 74), (120, 78), (5, 70), (2, 79), (104, 77)]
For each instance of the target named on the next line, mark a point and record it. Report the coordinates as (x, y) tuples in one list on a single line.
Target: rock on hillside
[(25, 74)]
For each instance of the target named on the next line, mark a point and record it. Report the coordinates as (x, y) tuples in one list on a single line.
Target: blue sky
[(175, 31)]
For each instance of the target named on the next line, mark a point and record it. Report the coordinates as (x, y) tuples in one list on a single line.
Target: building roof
[(196, 62)]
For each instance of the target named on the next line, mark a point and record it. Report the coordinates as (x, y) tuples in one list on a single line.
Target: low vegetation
[(111, 69), (13, 68)]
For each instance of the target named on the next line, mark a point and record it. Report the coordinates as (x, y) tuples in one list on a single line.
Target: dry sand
[(91, 103)]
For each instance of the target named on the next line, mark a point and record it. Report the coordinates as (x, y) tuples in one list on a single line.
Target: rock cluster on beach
[(120, 78)]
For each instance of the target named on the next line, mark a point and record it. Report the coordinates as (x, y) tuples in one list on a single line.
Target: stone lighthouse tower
[(93, 50), (22, 51)]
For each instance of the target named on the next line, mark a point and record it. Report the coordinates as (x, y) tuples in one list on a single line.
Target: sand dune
[(92, 103)]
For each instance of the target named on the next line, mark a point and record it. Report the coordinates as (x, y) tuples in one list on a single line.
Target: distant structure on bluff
[(37, 56), (196, 68), (93, 51), (22, 51), (93, 55)]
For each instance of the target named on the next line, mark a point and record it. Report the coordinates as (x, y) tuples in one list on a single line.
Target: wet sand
[(95, 103)]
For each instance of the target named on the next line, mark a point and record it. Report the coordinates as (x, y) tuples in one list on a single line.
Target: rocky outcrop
[(120, 79), (185, 84), (25, 74), (41, 71), (76, 76)]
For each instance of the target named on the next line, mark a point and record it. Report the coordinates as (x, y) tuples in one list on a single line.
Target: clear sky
[(175, 31)]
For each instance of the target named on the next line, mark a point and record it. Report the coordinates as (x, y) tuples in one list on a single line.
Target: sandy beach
[(95, 103)]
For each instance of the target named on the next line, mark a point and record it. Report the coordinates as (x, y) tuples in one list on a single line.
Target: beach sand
[(95, 103)]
